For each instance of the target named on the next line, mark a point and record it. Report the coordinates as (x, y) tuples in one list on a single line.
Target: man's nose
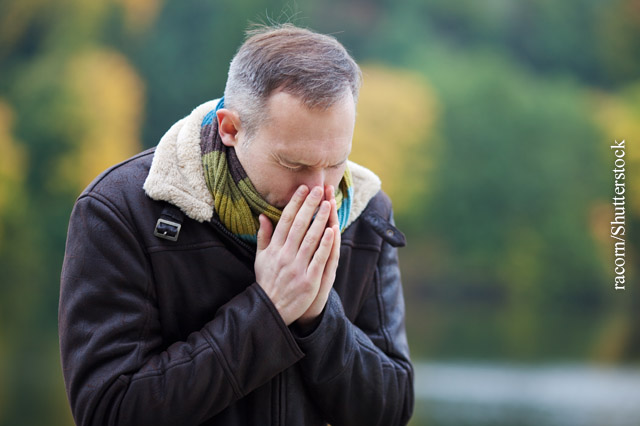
[(315, 178)]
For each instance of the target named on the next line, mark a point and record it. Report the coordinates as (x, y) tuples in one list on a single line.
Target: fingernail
[(324, 208), (317, 191), (302, 189)]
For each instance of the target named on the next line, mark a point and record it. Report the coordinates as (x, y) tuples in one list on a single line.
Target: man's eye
[(293, 169)]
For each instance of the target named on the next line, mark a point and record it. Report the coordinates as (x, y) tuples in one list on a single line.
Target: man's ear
[(228, 126)]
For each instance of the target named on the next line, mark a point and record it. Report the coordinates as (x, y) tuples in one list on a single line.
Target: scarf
[(236, 200)]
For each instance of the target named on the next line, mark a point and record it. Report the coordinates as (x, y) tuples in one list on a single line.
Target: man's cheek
[(336, 178), (283, 202)]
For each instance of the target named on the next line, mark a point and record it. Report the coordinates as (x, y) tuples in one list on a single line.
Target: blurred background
[(489, 122)]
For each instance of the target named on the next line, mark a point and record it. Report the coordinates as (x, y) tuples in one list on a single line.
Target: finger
[(332, 263), (328, 192), (288, 215), (329, 195), (314, 234), (264, 232), (333, 218), (320, 257), (302, 220), (329, 273)]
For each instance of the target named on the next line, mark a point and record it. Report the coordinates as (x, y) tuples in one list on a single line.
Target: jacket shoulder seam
[(108, 171), (111, 206)]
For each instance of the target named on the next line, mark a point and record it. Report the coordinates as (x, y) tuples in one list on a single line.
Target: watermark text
[(618, 229)]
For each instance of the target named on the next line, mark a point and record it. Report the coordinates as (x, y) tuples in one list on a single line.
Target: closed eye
[(293, 169), (299, 168)]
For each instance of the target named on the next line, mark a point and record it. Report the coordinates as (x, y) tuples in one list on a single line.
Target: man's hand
[(296, 264), (329, 274)]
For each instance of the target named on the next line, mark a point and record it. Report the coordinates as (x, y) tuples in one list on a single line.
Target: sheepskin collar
[(177, 175)]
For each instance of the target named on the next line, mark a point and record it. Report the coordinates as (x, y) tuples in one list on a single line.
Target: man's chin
[(279, 204)]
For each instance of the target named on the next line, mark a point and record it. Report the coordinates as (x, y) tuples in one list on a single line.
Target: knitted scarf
[(236, 200)]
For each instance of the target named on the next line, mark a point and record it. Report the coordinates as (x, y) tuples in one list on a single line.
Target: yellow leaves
[(139, 14), (108, 105), (396, 114), (13, 161), (619, 117), (13, 167)]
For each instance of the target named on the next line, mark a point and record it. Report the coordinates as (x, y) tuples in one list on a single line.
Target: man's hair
[(313, 67)]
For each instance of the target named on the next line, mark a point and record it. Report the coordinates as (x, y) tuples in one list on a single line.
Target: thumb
[(265, 232)]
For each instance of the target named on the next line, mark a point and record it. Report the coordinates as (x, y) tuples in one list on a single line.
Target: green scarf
[(236, 200)]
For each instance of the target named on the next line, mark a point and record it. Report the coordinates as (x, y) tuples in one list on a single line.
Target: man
[(243, 272)]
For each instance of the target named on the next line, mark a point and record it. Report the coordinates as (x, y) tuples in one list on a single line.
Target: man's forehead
[(313, 137)]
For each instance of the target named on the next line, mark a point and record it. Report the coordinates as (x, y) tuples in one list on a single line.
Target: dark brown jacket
[(159, 332)]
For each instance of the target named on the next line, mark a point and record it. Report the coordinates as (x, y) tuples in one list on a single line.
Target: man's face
[(297, 146)]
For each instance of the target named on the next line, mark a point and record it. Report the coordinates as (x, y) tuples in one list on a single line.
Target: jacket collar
[(177, 176)]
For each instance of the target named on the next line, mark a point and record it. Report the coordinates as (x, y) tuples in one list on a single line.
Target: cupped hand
[(295, 263)]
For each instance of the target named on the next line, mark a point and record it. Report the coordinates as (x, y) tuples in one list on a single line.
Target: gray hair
[(313, 67)]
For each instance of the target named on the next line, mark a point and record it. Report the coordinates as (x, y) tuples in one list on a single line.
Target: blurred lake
[(479, 394)]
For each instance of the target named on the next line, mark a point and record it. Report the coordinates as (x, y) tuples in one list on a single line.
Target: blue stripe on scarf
[(208, 119), (345, 210), (251, 239)]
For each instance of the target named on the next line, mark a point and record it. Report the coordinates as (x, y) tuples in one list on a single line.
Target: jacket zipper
[(278, 400), (251, 250)]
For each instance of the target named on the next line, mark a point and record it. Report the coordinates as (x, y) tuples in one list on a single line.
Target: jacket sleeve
[(360, 373), (117, 369)]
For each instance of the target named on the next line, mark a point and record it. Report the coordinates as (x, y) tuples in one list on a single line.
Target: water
[(460, 394)]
